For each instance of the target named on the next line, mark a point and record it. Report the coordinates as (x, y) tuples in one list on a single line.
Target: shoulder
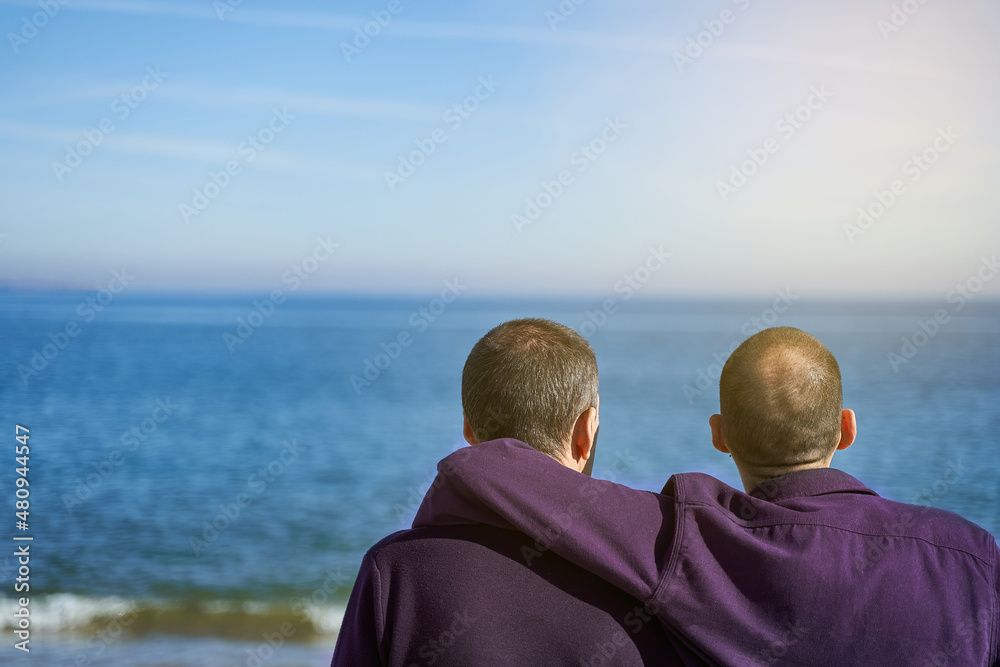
[(387, 542), (697, 487), (413, 546), (940, 527)]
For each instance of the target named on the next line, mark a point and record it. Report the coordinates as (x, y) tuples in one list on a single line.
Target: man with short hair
[(808, 567), (781, 401), (447, 594), (535, 381)]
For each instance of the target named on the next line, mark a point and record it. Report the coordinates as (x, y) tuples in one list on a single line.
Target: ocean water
[(202, 492)]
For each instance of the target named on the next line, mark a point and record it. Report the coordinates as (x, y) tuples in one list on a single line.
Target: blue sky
[(880, 93)]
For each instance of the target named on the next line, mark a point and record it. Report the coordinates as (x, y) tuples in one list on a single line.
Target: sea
[(203, 474)]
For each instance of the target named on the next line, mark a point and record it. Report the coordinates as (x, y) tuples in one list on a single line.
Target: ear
[(718, 437), (848, 429), (470, 437), (584, 432)]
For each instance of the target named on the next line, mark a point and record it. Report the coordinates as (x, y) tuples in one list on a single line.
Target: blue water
[(323, 468)]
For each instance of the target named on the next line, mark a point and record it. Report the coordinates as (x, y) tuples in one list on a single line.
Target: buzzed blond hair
[(781, 398)]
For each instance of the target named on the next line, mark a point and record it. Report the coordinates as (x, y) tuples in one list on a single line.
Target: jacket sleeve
[(360, 639), (620, 534)]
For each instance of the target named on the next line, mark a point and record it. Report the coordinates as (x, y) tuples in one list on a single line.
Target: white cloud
[(399, 27), (187, 149)]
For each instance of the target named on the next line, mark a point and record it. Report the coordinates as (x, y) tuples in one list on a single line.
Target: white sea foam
[(75, 614)]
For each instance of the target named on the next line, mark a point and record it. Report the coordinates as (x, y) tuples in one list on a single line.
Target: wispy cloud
[(399, 28), (195, 95), (541, 34), (302, 103), (533, 35), (204, 96), (135, 7), (57, 94), (198, 151)]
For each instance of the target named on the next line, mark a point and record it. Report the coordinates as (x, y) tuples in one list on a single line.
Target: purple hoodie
[(812, 568), (447, 595)]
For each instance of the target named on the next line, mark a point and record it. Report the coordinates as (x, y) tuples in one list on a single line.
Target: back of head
[(781, 399), (529, 379)]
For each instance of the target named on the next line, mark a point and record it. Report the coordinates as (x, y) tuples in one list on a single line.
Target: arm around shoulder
[(611, 530)]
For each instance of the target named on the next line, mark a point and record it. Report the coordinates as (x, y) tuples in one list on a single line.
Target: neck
[(754, 476), (567, 460)]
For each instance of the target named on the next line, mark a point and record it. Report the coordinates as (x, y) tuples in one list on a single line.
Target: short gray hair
[(529, 379)]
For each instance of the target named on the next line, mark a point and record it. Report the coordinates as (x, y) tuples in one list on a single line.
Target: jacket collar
[(815, 482), (804, 483)]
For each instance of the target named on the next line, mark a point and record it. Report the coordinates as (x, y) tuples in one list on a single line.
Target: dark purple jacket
[(469, 595), (812, 568)]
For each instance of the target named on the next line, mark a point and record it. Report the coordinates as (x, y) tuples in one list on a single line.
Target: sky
[(727, 148)]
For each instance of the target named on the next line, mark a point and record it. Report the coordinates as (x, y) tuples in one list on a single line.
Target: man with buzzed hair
[(807, 567), (463, 595), (781, 401)]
